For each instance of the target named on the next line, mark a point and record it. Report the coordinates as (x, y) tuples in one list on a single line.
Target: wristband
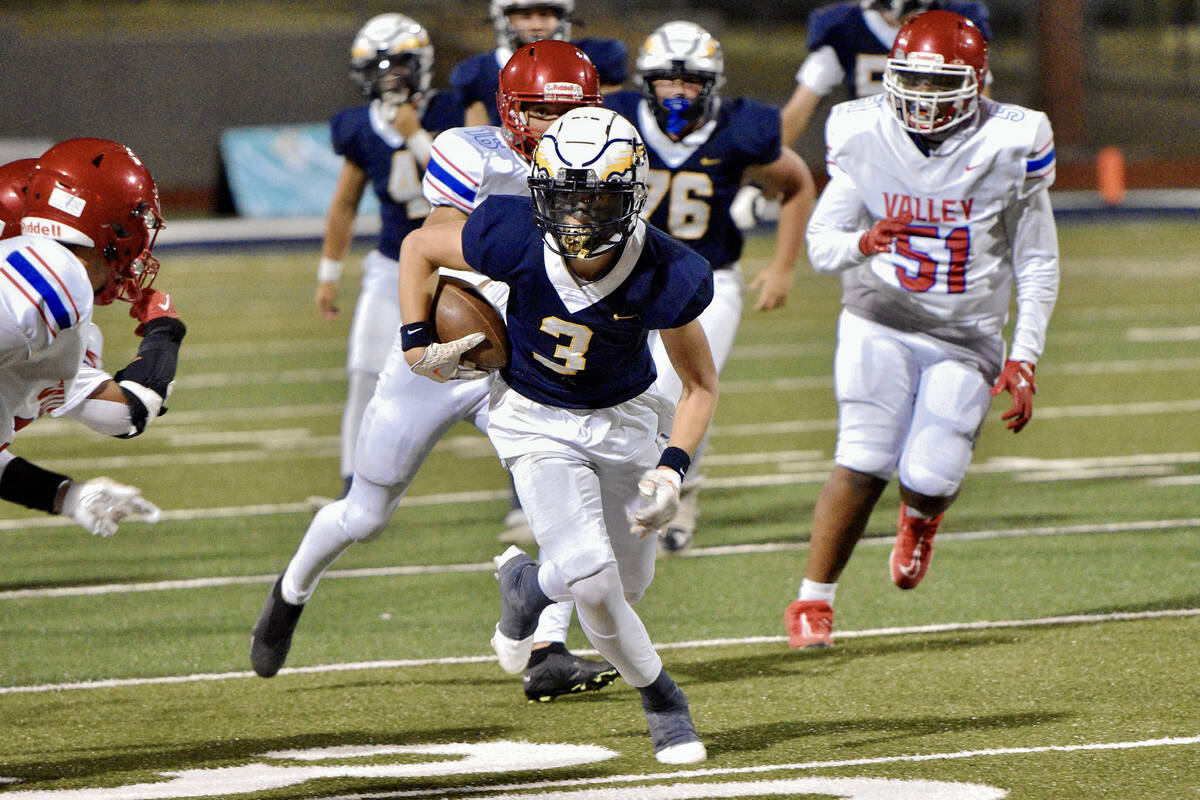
[(416, 334), (329, 270), (677, 459), (420, 144), (32, 486)]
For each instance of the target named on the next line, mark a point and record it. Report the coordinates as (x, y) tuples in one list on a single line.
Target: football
[(460, 309)]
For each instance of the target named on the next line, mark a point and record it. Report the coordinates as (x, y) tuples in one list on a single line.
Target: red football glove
[(1017, 379), (151, 305), (879, 239)]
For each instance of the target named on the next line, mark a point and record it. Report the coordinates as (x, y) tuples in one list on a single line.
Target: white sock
[(322, 544), (811, 590)]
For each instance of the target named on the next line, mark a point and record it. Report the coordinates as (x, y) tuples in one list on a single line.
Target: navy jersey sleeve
[(497, 234), (624, 102), (442, 113), (683, 285), (976, 12), (341, 134), (463, 79), (610, 57), (824, 22), (759, 131)]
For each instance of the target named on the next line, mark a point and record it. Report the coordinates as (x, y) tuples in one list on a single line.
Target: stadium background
[(168, 77)]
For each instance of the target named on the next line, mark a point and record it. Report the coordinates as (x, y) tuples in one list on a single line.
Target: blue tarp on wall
[(284, 171)]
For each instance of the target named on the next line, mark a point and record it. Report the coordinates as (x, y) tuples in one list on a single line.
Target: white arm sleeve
[(1034, 237), (836, 225), (821, 71), (104, 416)]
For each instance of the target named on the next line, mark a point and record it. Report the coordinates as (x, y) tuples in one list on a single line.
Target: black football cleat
[(562, 672), (272, 635)]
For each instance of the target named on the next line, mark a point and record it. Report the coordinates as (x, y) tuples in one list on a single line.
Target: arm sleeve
[(1031, 227), (821, 72), (836, 225)]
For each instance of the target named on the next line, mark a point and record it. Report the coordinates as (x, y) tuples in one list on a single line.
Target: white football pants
[(908, 404)]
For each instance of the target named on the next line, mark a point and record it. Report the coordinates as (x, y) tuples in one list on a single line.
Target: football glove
[(881, 235), (100, 504), (1017, 379), (152, 304), (658, 500), (442, 361)]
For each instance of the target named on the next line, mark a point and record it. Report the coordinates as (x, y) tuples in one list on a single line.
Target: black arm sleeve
[(157, 356)]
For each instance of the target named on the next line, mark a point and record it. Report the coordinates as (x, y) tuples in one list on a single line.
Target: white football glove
[(442, 360), (100, 504), (659, 490)]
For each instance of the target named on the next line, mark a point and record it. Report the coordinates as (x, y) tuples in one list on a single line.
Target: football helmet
[(13, 177), (548, 71), (509, 38), (903, 8), (97, 193), (588, 182), (681, 50), (392, 59), (935, 71)]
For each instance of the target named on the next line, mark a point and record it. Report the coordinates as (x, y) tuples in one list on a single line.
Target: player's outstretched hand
[(881, 235), (442, 361), (1017, 379), (100, 504), (151, 304), (658, 501)]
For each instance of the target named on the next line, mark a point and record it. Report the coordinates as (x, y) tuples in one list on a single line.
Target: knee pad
[(599, 589), (361, 523)]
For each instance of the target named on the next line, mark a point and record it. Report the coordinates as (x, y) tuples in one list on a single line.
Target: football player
[(520, 22), (702, 146), (848, 43), (937, 206), (409, 414), (80, 224), (386, 144), (575, 416)]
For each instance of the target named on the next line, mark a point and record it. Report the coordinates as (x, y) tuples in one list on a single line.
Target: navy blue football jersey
[(692, 183), (369, 141), (477, 78), (583, 345), (860, 52)]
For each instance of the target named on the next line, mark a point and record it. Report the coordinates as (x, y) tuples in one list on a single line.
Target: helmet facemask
[(681, 51), (675, 113), (510, 38), (128, 252), (583, 215), (928, 96)]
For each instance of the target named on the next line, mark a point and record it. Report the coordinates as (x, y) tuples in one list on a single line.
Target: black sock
[(539, 655)]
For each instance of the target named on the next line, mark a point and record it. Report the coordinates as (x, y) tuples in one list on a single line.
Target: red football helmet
[(13, 177), (97, 193), (935, 71), (548, 71)]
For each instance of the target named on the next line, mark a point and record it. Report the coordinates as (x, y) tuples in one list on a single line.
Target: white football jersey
[(468, 165), (981, 218), (45, 328)]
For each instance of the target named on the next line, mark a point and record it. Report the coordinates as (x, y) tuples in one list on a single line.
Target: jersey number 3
[(569, 356), (954, 249)]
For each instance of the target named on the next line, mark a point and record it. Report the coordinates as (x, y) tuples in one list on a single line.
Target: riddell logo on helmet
[(562, 92), (40, 227)]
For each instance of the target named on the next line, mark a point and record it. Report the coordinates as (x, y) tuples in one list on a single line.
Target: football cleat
[(809, 623), (674, 734), (913, 549), (520, 605), (516, 528), (562, 672), (678, 534), (272, 635)]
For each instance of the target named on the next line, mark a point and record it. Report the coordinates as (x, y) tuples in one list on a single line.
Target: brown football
[(460, 309)]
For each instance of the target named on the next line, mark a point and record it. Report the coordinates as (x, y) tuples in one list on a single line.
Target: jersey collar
[(576, 296)]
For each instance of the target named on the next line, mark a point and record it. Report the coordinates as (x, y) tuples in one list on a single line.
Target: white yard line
[(1070, 619)]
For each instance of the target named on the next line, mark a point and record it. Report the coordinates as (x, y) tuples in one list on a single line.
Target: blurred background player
[(409, 414), (848, 44), (937, 204), (575, 415), (702, 146), (520, 22), (385, 144), (79, 230)]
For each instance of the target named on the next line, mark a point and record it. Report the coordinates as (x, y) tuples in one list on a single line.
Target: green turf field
[(1050, 653)]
